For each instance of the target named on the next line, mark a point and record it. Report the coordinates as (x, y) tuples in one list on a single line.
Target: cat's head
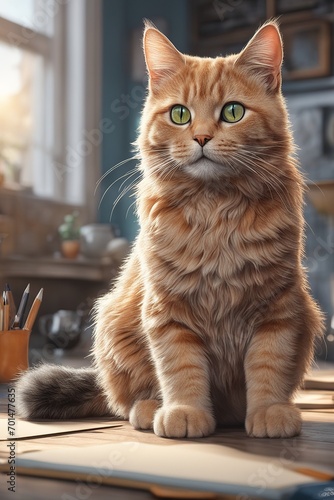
[(212, 118)]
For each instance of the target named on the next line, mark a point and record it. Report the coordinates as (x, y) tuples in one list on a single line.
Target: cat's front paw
[(179, 421), (142, 414), (275, 421)]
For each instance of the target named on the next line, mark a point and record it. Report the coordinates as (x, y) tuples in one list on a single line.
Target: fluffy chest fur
[(218, 252), (216, 261)]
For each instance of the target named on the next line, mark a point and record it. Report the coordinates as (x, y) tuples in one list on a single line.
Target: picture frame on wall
[(307, 50), (284, 6)]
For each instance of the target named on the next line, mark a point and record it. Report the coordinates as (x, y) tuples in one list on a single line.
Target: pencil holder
[(14, 349)]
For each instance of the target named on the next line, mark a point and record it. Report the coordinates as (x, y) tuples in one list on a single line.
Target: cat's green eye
[(232, 112), (180, 114)]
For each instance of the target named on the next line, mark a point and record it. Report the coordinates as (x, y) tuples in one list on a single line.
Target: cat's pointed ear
[(162, 58), (263, 56)]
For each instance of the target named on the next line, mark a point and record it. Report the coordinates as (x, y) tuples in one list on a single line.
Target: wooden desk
[(315, 445)]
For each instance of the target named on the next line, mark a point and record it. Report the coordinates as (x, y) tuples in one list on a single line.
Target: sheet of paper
[(320, 379), (314, 399), (13, 429), (199, 466)]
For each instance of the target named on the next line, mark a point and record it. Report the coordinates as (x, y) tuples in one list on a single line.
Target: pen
[(16, 323), (20, 312), (33, 311)]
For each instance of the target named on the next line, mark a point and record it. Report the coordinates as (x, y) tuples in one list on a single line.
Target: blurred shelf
[(310, 85), (321, 195), (58, 268)]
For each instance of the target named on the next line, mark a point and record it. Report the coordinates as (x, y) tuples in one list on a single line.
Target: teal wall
[(122, 97)]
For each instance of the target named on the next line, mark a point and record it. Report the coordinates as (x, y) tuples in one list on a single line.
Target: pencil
[(11, 302), (1, 314), (22, 306), (316, 474), (6, 313), (33, 311)]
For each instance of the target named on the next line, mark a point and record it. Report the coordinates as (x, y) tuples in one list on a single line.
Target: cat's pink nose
[(202, 139)]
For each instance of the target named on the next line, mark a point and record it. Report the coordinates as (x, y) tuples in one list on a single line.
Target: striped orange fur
[(211, 321)]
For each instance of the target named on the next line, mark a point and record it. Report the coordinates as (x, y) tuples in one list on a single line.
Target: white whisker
[(112, 184), (129, 208), (131, 173), (270, 178), (123, 193), (112, 169)]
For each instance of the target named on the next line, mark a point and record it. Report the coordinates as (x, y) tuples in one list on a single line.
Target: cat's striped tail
[(58, 392)]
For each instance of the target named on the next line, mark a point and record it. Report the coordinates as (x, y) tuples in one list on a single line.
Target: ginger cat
[(210, 321)]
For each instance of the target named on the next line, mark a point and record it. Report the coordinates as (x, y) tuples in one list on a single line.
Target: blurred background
[(72, 87)]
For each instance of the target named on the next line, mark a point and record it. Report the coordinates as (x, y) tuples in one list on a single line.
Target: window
[(48, 74)]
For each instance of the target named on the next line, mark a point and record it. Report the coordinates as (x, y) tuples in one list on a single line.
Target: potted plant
[(69, 233)]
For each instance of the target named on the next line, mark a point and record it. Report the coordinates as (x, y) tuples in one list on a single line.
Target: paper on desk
[(195, 466), (314, 399), (320, 379), (23, 429)]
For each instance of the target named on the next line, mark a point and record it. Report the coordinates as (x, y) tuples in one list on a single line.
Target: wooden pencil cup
[(14, 350)]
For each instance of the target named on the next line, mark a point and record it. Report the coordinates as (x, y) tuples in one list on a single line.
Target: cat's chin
[(206, 169)]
